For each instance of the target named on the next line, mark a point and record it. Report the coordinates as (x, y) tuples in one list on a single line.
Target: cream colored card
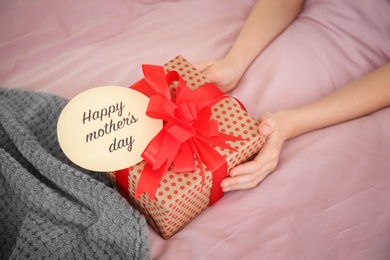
[(106, 128)]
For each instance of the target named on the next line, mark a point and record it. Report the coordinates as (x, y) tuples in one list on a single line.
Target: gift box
[(190, 181)]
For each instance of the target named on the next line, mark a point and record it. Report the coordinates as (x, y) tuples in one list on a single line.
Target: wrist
[(285, 124), (237, 61)]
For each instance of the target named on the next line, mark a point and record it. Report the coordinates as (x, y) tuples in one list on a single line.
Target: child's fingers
[(250, 174), (248, 167), (267, 124), (267, 159), (247, 175), (243, 181)]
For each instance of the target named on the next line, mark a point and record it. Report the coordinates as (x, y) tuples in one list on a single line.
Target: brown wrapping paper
[(181, 197)]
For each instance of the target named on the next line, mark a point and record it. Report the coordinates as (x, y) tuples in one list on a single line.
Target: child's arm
[(266, 21), (359, 98)]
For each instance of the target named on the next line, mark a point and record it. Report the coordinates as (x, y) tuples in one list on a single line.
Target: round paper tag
[(106, 128)]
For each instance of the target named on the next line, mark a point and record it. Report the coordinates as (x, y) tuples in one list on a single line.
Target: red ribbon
[(188, 134)]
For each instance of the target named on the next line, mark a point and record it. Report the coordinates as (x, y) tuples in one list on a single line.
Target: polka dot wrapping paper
[(180, 197)]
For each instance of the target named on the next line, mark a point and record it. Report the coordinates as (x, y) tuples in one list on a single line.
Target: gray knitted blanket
[(49, 208)]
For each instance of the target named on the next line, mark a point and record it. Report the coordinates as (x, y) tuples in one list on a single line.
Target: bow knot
[(189, 135)]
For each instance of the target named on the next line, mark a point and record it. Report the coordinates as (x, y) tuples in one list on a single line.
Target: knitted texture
[(50, 208)]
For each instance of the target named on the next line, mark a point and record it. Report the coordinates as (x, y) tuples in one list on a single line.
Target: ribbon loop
[(188, 135)]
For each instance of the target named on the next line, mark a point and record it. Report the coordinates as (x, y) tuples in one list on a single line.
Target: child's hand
[(250, 174), (224, 73)]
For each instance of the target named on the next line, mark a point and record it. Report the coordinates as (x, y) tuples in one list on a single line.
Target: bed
[(329, 197)]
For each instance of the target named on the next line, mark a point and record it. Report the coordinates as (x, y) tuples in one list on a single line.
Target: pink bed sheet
[(330, 195)]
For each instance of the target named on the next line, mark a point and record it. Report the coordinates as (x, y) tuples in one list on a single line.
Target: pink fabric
[(329, 197)]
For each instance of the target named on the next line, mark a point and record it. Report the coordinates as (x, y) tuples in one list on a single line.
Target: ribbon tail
[(184, 160), (156, 78), (143, 87), (217, 164), (199, 159), (149, 180), (216, 191), (220, 140), (152, 173)]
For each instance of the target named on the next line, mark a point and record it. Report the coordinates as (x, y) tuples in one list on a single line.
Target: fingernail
[(265, 129)]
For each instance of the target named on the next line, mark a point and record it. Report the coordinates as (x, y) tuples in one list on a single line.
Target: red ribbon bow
[(188, 134)]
